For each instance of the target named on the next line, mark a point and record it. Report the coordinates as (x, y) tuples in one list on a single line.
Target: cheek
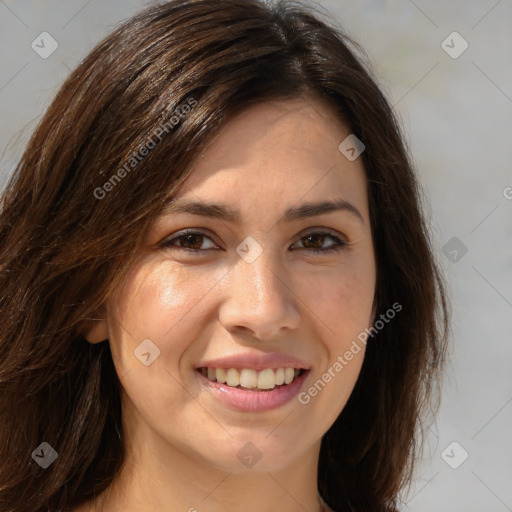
[(160, 302), (340, 299), (343, 303)]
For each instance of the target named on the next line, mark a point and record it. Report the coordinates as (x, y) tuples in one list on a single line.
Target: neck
[(215, 491), (160, 477)]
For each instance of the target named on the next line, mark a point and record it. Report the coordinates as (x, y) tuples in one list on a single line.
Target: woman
[(218, 290)]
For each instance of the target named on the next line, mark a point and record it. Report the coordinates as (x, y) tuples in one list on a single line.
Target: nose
[(259, 298)]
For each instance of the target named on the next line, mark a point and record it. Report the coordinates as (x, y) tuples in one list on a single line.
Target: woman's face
[(253, 289)]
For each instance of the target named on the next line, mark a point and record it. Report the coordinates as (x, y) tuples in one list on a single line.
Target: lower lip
[(254, 401)]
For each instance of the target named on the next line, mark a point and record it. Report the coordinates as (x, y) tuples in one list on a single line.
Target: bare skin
[(182, 442)]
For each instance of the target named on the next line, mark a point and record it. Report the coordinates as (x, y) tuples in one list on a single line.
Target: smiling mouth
[(251, 380)]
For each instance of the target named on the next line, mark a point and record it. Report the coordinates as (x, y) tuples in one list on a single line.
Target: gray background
[(457, 116)]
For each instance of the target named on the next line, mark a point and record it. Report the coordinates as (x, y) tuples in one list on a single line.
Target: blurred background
[(446, 68)]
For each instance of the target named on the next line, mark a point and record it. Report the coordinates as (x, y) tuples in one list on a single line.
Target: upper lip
[(258, 361)]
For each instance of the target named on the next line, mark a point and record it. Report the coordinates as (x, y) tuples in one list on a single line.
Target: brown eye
[(191, 241), (315, 240)]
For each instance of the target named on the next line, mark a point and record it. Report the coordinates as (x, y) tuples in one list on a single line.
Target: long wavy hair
[(72, 223)]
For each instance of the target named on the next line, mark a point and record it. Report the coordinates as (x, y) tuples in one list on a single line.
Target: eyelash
[(340, 244)]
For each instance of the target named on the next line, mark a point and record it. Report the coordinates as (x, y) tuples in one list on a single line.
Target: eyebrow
[(229, 214)]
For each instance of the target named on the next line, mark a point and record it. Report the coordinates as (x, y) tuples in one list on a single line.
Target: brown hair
[(65, 249)]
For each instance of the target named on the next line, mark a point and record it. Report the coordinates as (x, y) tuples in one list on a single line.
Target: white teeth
[(233, 378), (267, 379), (288, 375), (250, 379), (220, 375), (279, 376)]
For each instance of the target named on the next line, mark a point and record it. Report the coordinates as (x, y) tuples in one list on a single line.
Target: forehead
[(275, 152)]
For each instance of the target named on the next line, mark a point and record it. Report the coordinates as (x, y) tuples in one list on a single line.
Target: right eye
[(189, 237)]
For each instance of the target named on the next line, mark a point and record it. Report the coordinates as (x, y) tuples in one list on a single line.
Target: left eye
[(194, 238)]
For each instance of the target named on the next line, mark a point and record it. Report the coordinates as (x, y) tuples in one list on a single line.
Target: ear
[(96, 329)]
